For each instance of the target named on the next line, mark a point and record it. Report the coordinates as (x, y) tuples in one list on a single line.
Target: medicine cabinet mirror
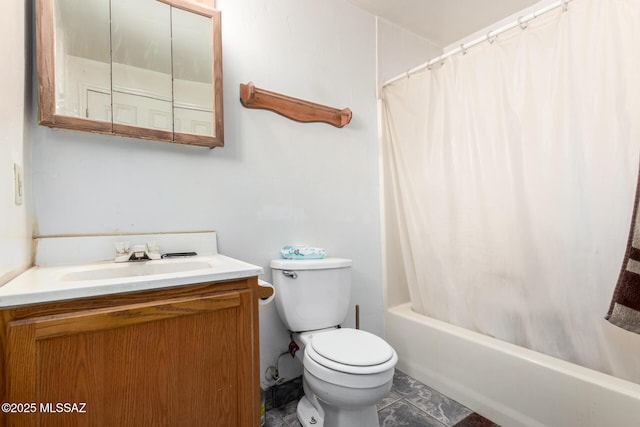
[(140, 68)]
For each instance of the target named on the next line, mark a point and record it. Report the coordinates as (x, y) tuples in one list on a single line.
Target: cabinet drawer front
[(116, 317)]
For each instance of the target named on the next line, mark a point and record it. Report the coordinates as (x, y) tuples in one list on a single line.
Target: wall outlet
[(18, 184)]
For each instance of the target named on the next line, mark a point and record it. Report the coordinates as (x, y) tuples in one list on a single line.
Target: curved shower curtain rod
[(490, 37)]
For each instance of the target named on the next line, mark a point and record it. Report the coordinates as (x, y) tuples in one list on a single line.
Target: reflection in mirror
[(192, 65), (82, 57), (141, 63)]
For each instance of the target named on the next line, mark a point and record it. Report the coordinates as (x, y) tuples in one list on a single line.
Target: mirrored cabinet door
[(192, 85), (142, 68), (197, 95), (82, 61)]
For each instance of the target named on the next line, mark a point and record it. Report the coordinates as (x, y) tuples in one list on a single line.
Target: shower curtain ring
[(491, 39), (522, 22), (463, 50), (565, 5)]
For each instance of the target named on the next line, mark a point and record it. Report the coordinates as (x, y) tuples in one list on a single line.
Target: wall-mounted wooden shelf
[(292, 108)]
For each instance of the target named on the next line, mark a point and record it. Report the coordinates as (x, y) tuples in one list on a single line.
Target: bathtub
[(510, 385)]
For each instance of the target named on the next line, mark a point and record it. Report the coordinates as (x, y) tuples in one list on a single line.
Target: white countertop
[(43, 284)]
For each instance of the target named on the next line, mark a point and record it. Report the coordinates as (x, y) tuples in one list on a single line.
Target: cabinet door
[(176, 362)]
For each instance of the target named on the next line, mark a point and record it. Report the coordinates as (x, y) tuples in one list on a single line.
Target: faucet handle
[(122, 248), (153, 249), (122, 251), (152, 246)]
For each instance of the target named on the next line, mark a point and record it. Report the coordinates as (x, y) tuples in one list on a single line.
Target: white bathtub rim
[(580, 372)]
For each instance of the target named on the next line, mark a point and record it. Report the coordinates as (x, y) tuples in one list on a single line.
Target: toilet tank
[(312, 294)]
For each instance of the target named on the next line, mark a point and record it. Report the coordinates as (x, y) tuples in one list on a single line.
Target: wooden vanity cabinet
[(183, 356)]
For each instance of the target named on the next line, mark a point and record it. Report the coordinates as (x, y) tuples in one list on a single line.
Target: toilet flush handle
[(291, 274)]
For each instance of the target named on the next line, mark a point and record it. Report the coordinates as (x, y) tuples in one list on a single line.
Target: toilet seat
[(351, 351)]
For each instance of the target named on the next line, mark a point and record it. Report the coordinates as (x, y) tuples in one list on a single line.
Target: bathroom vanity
[(168, 349)]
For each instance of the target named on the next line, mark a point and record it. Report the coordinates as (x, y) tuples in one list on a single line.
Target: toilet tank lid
[(310, 264)]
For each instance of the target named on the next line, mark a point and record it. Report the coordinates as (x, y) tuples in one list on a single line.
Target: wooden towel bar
[(292, 108)]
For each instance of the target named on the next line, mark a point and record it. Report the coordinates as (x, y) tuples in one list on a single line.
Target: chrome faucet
[(139, 252)]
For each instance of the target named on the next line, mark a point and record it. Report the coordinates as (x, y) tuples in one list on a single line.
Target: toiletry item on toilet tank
[(302, 252)]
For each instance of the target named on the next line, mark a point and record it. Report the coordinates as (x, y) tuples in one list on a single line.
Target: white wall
[(15, 233), (400, 50), (275, 182)]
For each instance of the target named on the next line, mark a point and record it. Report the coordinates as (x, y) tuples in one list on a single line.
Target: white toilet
[(346, 371)]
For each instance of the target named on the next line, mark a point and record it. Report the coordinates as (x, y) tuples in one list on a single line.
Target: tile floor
[(410, 404)]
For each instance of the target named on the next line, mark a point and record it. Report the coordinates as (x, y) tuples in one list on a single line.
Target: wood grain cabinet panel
[(186, 356)]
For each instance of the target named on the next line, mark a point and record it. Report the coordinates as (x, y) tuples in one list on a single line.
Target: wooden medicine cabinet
[(140, 68)]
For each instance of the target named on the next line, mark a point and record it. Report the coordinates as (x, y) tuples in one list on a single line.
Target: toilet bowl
[(345, 371)]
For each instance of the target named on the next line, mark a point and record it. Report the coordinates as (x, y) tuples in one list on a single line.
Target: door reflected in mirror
[(141, 63), (83, 58)]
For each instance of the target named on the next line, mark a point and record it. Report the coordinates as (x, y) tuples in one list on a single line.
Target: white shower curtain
[(513, 172)]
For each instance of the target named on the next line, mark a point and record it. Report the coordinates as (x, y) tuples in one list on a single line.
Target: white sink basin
[(80, 273), (133, 269)]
